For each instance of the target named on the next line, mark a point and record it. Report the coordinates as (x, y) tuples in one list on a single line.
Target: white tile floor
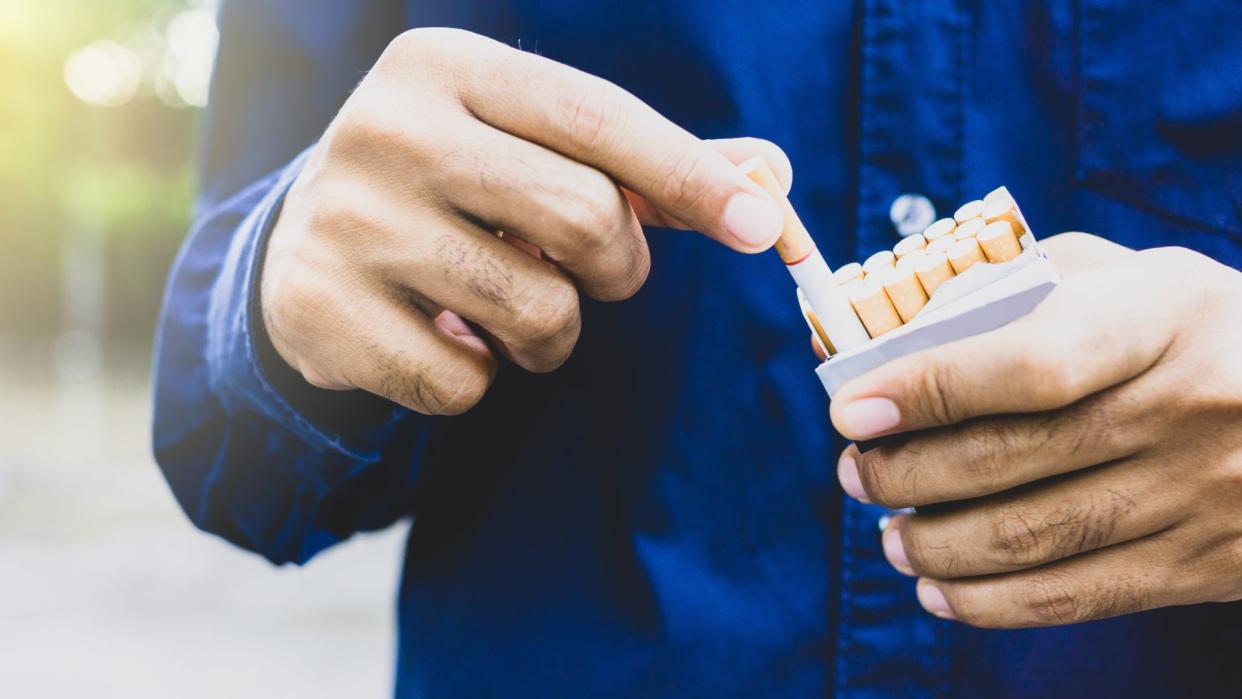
[(106, 590)]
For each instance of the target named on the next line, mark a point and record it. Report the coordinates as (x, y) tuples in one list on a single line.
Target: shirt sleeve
[(252, 452)]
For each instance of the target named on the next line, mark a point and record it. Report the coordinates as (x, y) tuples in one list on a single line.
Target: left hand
[(1083, 462)]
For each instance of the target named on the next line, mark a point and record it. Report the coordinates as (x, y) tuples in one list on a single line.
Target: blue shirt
[(660, 517)]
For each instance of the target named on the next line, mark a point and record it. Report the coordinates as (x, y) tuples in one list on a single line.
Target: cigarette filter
[(904, 291), (848, 273), (965, 254), (883, 258), (909, 260), (999, 242), (967, 211), (933, 269), (909, 244), (941, 244), (794, 244), (998, 194), (874, 307), (807, 266), (999, 206), (939, 229), (969, 229)]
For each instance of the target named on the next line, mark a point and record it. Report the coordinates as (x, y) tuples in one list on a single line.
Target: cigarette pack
[(982, 298)]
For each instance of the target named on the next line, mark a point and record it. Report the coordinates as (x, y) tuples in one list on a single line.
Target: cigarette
[(969, 229), (941, 244), (909, 244), (969, 210), (933, 269), (939, 229), (999, 241), (904, 291), (998, 194), (998, 205), (848, 273), (874, 308), (813, 322), (807, 266), (965, 254), (909, 260), (883, 258)]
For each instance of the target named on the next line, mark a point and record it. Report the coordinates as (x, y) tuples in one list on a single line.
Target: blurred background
[(105, 588)]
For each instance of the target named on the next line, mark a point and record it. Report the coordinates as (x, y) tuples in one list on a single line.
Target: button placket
[(910, 156)]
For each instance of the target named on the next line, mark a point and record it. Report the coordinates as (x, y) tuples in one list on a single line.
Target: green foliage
[(66, 166)]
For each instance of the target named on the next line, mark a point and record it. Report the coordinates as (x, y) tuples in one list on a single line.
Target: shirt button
[(911, 213)]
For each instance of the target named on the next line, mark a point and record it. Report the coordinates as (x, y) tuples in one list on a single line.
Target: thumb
[(738, 151), (1078, 252)]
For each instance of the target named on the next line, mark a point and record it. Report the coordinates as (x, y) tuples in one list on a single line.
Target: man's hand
[(388, 241), (1080, 463)]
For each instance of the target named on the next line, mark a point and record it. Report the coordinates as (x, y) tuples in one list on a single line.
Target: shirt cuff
[(247, 374)]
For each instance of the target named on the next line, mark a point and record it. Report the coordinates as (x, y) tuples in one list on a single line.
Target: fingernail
[(895, 550), (847, 473), (754, 221), (933, 600), (867, 417)]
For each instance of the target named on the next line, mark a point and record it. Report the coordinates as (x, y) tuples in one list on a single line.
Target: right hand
[(387, 242)]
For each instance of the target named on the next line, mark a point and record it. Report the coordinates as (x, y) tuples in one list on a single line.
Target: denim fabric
[(660, 517)]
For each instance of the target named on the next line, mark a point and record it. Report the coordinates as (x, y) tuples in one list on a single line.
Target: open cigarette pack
[(961, 276), (991, 282)]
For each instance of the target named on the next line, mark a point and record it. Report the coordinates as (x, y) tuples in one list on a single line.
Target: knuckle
[(435, 61), (877, 471), (1176, 258), (296, 302), (593, 215), (684, 181), (977, 606), (969, 610), (1059, 382), (1124, 594), (422, 41), (934, 395), (607, 241), (1051, 378), (463, 389), (412, 41), (468, 265), (362, 134), (282, 294), (401, 380), (431, 390), (549, 317), (585, 113), (1095, 423), (1232, 477), (631, 270), (928, 556), (1014, 535), (984, 457), (1051, 598), (1025, 537), (1232, 558), (317, 378), (334, 218)]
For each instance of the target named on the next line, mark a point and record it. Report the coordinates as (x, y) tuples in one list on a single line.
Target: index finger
[(1083, 338), (599, 124)]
